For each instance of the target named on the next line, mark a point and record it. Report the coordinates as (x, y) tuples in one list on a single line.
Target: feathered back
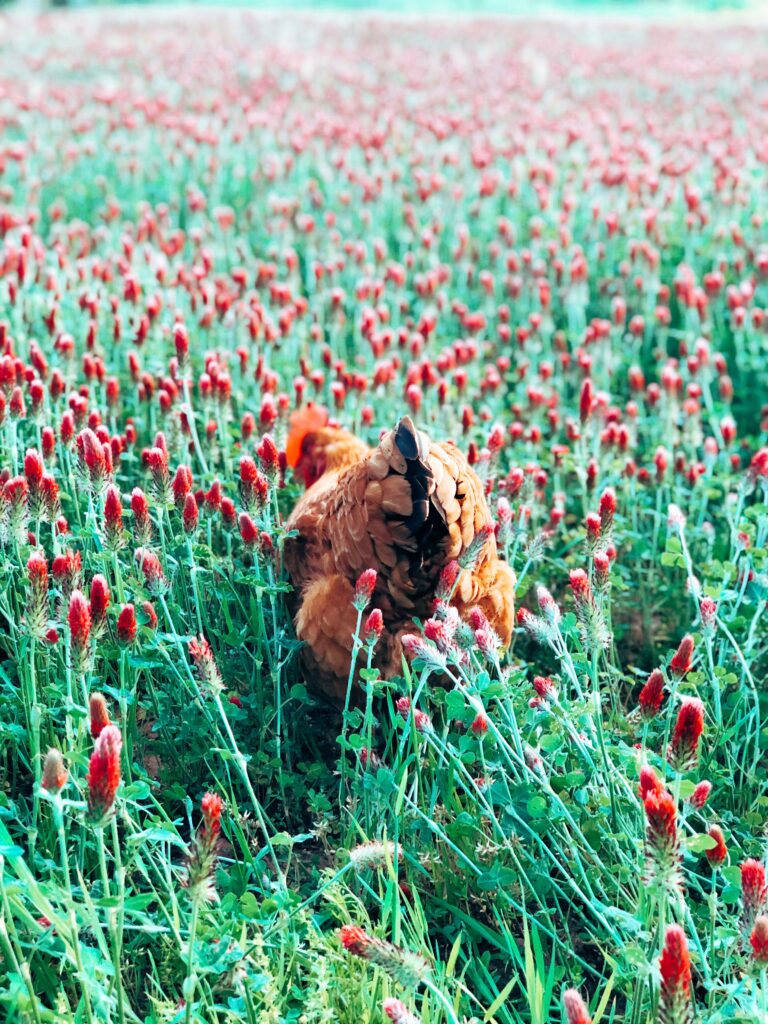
[(406, 509)]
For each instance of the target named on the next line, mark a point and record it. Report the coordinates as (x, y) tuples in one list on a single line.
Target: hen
[(406, 509)]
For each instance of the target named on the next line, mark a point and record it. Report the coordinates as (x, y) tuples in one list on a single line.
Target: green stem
[(192, 427), (350, 682), (442, 999), (58, 818), (190, 983), (113, 937)]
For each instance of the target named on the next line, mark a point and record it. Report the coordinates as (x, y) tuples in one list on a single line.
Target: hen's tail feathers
[(421, 480)]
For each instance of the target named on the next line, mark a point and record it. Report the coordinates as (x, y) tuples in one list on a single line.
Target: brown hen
[(406, 509)]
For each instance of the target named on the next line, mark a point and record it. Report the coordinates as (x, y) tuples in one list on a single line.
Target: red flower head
[(113, 516), (16, 493), (33, 469), (675, 968), (586, 400), (758, 467), (407, 968), (212, 499), (580, 588), (355, 940), (248, 475), (79, 619), (94, 458), (649, 782), (142, 524), (661, 833), (157, 462), (99, 599), (211, 806), (398, 1012), (708, 612), (700, 795), (544, 687), (548, 606), (126, 624), (228, 513), (478, 619), (37, 605), (49, 493), (592, 625), (447, 582), (364, 588), (683, 658), (181, 344), (416, 647), (421, 720), (753, 892), (190, 514), (758, 940), (202, 655), (602, 563), (37, 570), (488, 643), (593, 530), (652, 694), (254, 488), (480, 724), (682, 752), (717, 854), (66, 569), (536, 627), (247, 425), (99, 714), (67, 428), (607, 509), (575, 1009), (204, 848), (373, 628), (248, 530), (441, 631), (16, 404), (104, 772), (181, 485), (149, 610), (149, 564), (268, 456), (49, 443), (54, 773)]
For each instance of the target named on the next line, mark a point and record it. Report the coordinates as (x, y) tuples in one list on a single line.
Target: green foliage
[(482, 825)]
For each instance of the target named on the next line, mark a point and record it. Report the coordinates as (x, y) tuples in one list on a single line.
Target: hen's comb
[(303, 421)]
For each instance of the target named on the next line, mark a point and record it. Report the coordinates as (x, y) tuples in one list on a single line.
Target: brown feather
[(405, 509)]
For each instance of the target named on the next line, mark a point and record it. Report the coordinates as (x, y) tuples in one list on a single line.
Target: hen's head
[(314, 447)]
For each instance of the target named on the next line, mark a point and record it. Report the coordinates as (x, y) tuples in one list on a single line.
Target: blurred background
[(650, 8)]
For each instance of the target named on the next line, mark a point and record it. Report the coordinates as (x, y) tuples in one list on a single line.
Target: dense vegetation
[(548, 246)]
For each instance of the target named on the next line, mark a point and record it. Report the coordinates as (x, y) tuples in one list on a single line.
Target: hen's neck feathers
[(341, 449)]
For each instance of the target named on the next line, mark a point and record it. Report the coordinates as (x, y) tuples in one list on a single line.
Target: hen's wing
[(405, 510), (305, 554)]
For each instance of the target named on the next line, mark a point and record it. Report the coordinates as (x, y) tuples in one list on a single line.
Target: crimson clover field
[(546, 240)]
